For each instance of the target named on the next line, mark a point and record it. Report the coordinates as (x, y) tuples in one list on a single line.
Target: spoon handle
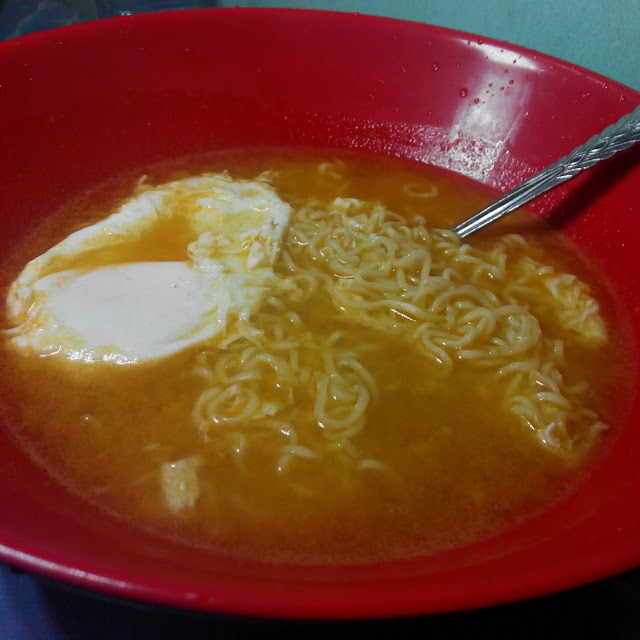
[(614, 138)]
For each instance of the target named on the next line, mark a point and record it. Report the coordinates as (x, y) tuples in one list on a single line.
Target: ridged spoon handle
[(614, 138)]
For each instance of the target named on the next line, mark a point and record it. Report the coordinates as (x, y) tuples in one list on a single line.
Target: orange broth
[(462, 468)]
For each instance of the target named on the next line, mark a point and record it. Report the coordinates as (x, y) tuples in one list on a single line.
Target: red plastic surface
[(80, 104)]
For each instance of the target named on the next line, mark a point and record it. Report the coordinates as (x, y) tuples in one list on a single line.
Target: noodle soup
[(396, 392)]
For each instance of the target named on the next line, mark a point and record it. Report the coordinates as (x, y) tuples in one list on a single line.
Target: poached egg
[(87, 299)]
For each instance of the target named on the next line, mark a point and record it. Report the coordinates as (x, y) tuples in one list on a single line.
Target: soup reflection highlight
[(366, 386)]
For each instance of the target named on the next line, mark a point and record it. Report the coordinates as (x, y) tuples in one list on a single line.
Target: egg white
[(141, 311)]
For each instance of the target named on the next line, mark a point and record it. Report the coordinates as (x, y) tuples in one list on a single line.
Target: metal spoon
[(614, 138)]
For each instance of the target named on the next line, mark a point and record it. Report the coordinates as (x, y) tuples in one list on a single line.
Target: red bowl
[(79, 104)]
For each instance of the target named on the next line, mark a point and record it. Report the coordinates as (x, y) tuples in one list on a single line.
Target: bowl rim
[(109, 23)]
